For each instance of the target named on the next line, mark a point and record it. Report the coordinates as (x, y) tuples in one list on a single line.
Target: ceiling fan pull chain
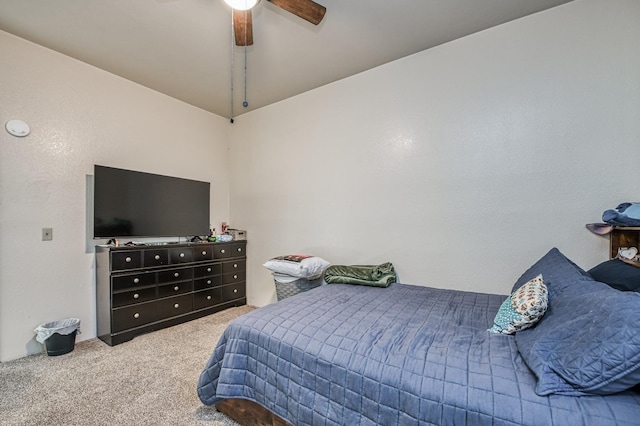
[(245, 103), (232, 65)]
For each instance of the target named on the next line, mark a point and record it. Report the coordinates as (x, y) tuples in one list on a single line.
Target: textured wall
[(79, 116), (461, 164)]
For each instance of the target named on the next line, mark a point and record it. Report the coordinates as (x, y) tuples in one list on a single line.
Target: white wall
[(462, 164), (79, 116)]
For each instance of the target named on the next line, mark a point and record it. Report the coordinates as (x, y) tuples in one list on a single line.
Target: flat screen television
[(128, 203)]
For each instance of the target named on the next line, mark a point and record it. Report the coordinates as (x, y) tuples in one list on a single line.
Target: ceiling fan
[(242, 23)]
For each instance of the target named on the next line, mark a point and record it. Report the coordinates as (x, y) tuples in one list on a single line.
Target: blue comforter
[(402, 355)]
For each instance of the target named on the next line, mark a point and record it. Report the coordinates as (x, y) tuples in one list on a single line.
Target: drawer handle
[(235, 265), (235, 290), (176, 306), (127, 259), (208, 297), (177, 274), (208, 281), (181, 254), (208, 269), (135, 296), (204, 252), (136, 280), (222, 251), (176, 288), (136, 315), (156, 257), (235, 277), (239, 249)]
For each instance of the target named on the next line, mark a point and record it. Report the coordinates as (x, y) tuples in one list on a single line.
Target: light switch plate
[(47, 234)]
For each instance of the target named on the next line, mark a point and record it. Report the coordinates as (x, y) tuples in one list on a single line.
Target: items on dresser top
[(149, 287)]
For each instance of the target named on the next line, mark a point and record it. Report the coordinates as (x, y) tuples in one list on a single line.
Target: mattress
[(402, 355)]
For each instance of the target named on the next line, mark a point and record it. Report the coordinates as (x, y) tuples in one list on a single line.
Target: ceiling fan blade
[(243, 27), (305, 9)]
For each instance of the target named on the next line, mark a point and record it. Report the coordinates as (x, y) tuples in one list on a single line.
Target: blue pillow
[(557, 270), (617, 274), (588, 341)]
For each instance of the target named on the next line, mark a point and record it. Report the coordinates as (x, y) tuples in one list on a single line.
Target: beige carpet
[(150, 380)]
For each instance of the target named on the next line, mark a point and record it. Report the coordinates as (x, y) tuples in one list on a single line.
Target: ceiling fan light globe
[(242, 4)]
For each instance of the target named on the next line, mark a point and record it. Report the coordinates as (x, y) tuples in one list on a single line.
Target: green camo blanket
[(373, 275)]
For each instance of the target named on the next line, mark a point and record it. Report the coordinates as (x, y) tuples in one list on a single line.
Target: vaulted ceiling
[(184, 49)]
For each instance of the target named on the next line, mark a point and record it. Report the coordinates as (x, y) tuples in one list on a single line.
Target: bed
[(403, 355)]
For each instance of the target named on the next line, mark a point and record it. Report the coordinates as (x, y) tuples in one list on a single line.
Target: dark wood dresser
[(146, 288)]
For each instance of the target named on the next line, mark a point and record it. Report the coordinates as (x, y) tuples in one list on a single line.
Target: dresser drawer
[(234, 266), (171, 275), (233, 291), (207, 282), (237, 249), (123, 260), (207, 270), (172, 306), (204, 252), (207, 298), (134, 316), (156, 257), (130, 281), (135, 296), (224, 251), (175, 288), (234, 277), (221, 251), (181, 255)]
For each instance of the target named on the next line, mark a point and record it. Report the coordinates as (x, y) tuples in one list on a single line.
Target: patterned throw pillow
[(523, 308)]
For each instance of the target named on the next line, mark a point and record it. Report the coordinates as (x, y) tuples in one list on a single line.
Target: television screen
[(136, 204)]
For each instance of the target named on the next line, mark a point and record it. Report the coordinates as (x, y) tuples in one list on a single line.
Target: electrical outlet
[(47, 234)]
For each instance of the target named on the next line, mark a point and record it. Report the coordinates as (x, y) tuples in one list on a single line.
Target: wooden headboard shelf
[(623, 236)]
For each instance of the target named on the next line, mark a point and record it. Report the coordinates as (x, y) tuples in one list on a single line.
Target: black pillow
[(617, 274)]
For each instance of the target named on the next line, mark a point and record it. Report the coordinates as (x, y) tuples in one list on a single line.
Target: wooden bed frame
[(249, 413)]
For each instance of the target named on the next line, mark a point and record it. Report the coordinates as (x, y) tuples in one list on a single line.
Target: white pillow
[(298, 265)]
